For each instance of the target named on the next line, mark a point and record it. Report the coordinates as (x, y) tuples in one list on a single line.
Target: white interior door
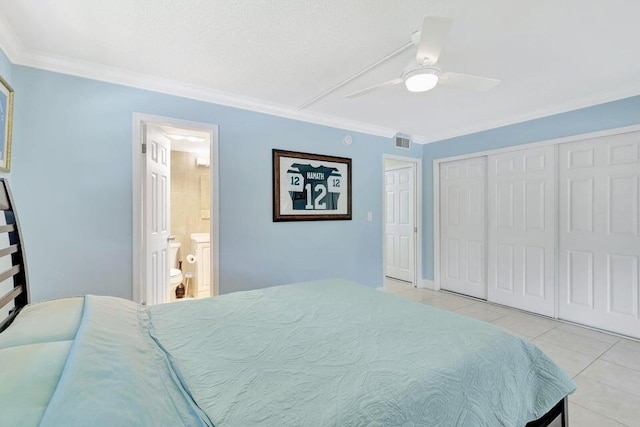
[(599, 232), (521, 258), (463, 227), (157, 173), (400, 224)]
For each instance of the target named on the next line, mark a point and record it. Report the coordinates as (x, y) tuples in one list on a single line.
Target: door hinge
[(144, 148)]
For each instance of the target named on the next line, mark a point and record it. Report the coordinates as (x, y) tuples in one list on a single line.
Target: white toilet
[(175, 275)]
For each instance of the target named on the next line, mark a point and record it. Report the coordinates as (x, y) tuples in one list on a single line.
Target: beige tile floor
[(606, 368)]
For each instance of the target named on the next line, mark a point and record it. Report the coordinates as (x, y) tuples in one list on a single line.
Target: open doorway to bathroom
[(175, 210)]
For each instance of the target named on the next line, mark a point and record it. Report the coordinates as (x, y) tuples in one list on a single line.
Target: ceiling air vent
[(403, 141)]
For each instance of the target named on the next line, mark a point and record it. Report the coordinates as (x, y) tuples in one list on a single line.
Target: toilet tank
[(174, 247)]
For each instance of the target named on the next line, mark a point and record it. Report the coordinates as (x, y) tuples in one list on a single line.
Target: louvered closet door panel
[(521, 212), (463, 227), (599, 232)]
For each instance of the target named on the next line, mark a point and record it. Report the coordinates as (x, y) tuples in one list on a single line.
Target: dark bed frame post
[(561, 410), (18, 270), (17, 258)]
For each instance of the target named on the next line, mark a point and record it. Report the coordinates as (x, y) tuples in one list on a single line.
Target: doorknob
[(170, 238)]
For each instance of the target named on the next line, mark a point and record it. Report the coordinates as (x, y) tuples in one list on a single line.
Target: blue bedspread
[(116, 376), (327, 353), (334, 353)]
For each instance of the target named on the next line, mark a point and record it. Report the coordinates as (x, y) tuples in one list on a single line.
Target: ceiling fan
[(424, 74)]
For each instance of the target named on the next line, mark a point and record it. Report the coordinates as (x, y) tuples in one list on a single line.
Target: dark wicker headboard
[(14, 284)]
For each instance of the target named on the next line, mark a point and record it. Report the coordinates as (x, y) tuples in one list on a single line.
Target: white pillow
[(54, 320), (29, 376)]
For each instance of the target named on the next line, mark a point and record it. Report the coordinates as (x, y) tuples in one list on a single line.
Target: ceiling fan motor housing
[(421, 70), (421, 79)]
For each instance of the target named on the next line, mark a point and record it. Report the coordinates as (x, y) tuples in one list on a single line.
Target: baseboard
[(426, 284)]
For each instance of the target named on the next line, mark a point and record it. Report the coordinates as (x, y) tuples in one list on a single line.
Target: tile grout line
[(601, 331), (607, 385), (545, 333), (520, 311), (604, 383), (617, 364), (581, 336), (596, 412), (498, 318), (597, 358), (483, 303), (611, 386), (517, 310), (486, 321), (600, 382)]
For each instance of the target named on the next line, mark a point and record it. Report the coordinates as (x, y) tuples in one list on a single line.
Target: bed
[(323, 353)]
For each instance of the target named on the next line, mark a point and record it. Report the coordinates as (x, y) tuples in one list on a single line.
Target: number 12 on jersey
[(316, 196)]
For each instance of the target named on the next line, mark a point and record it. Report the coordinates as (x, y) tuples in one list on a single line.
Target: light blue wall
[(625, 112), (72, 180), (71, 175)]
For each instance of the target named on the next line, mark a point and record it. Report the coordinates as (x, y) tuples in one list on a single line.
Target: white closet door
[(521, 265), (400, 224), (463, 227), (599, 232)]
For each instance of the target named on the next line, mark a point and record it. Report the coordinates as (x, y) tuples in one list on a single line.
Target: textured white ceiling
[(551, 55)]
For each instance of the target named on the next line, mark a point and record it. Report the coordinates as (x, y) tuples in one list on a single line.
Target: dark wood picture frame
[(312, 214)]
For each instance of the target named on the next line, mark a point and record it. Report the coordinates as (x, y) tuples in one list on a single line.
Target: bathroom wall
[(189, 196)]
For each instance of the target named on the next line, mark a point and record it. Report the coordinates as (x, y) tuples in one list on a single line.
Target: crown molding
[(576, 104), (18, 54), (185, 90)]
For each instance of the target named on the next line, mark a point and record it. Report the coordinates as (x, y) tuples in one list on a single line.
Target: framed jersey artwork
[(310, 187)]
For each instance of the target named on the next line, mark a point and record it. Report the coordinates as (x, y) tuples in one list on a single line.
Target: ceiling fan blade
[(372, 88), (432, 38), (466, 81)]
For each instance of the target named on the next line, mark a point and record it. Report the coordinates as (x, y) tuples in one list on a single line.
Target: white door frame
[(417, 206), (140, 119), (436, 182)]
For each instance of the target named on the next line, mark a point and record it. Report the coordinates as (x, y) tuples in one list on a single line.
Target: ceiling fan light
[(421, 82)]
